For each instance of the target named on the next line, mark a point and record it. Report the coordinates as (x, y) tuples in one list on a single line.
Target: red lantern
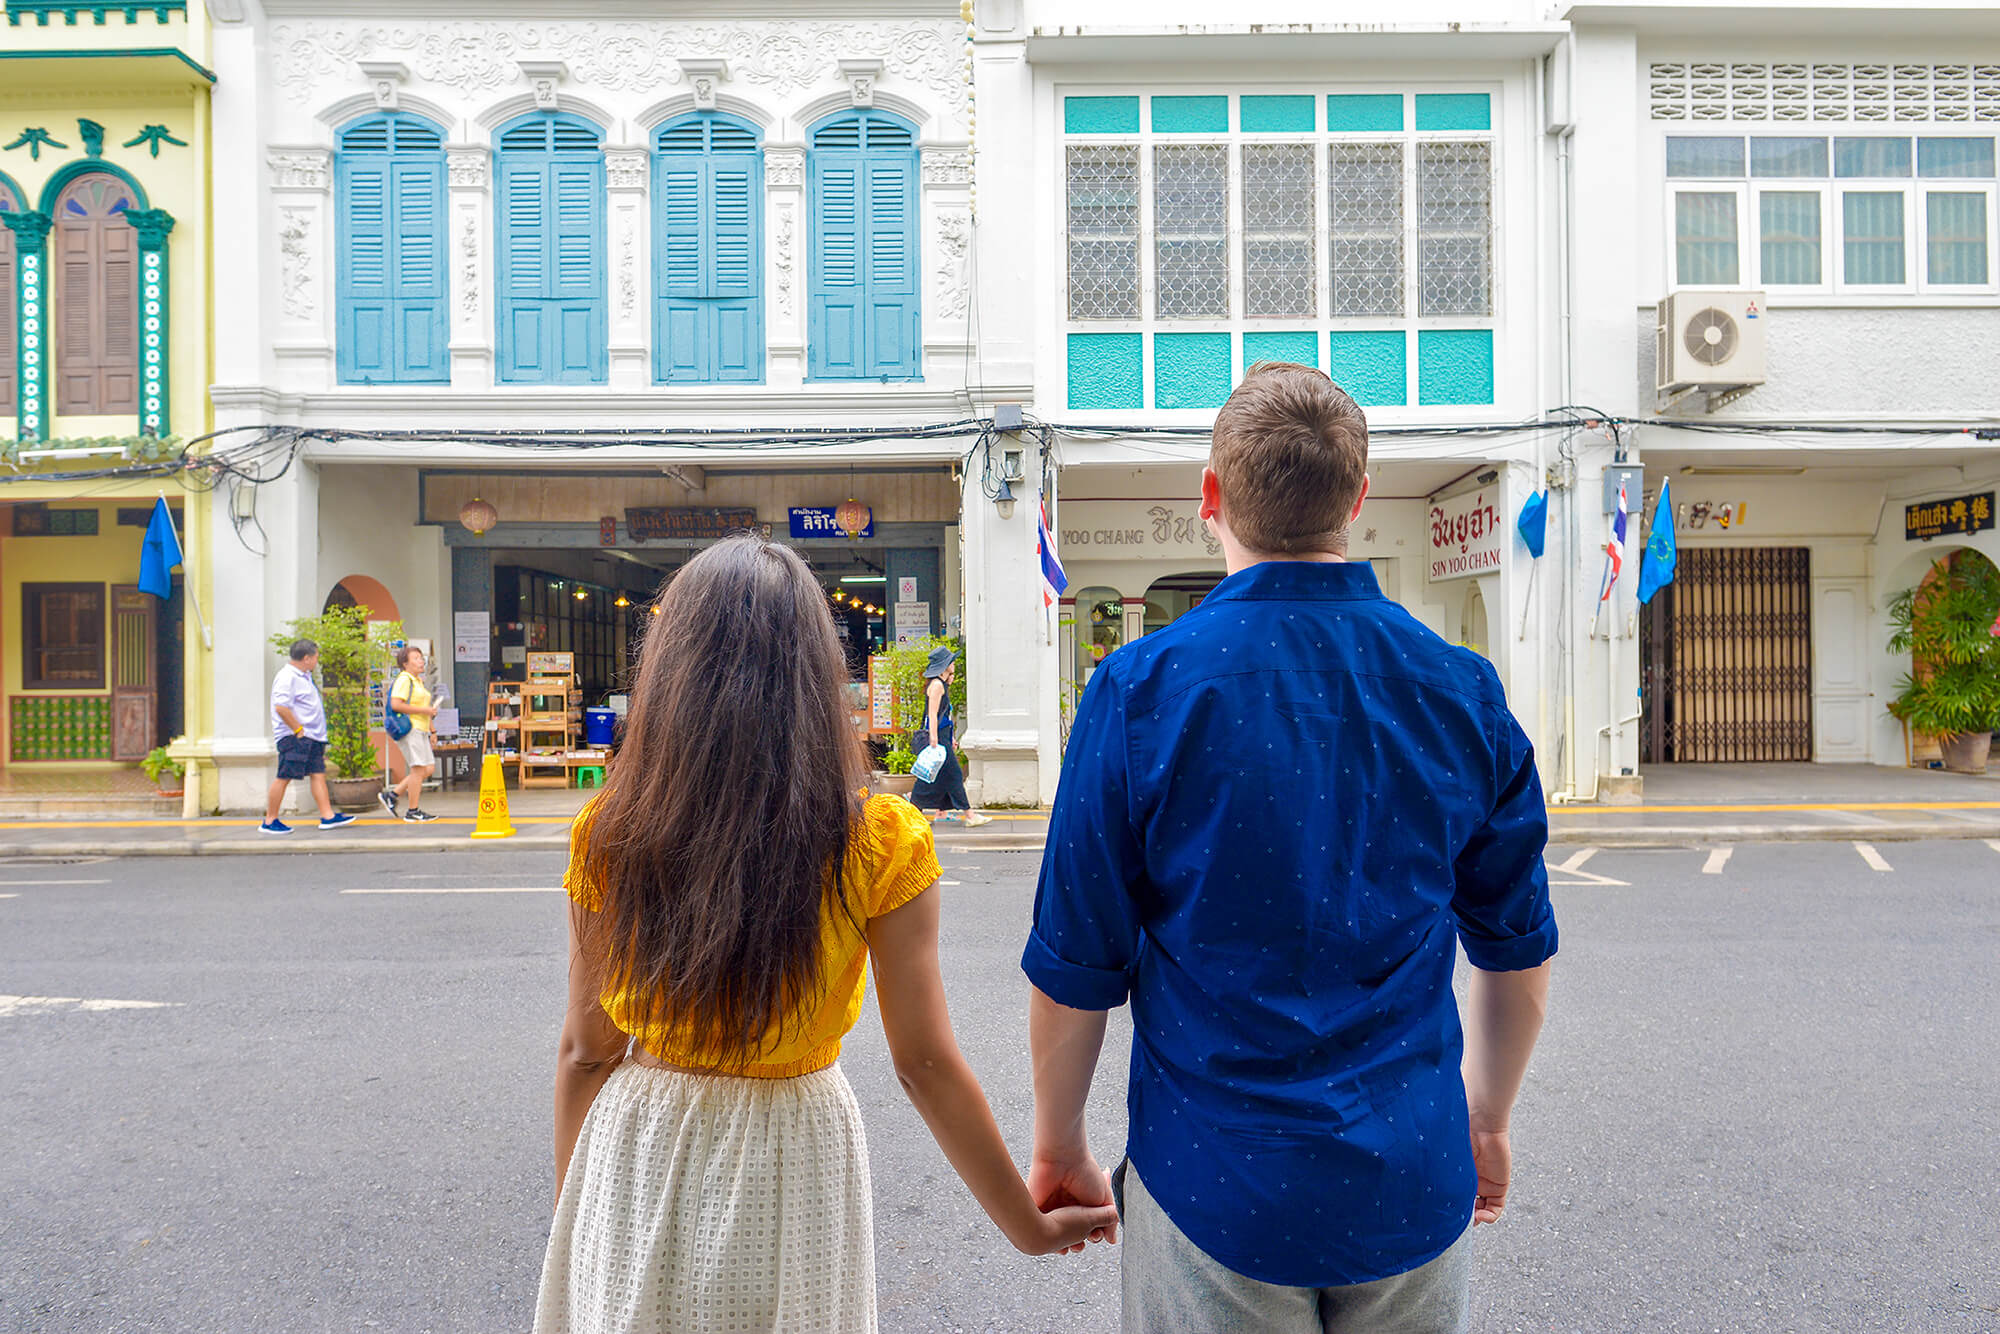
[(852, 516), (476, 516)]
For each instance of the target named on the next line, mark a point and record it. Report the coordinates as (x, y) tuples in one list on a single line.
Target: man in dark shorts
[(298, 724)]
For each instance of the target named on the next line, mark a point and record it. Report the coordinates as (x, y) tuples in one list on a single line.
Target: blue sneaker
[(336, 820), (274, 827)]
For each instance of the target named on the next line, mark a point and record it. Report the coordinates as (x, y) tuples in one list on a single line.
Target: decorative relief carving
[(468, 264), (781, 258), (954, 248), (385, 78), (478, 59), (296, 296), (544, 77), (300, 169), (946, 166), (860, 76), (466, 168), (702, 77), (785, 166), (625, 169), (628, 264)]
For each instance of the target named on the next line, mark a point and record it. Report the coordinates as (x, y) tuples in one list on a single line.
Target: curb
[(1630, 836)]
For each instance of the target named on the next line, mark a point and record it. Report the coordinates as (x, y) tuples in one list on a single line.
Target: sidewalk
[(1722, 803)]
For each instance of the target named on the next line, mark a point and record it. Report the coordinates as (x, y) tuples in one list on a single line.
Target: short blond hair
[(1290, 452)]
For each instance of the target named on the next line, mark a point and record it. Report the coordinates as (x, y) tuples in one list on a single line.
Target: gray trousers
[(1171, 1286)]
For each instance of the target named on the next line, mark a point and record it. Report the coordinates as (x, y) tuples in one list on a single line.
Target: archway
[(1175, 595), (1959, 595), (1473, 630), (360, 590)]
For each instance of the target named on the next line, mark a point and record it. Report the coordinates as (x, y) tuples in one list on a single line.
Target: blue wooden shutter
[(417, 205), (523, 342), (735, 186), (892, 337), (680, 332), (551, 312), (833, 315), (708, 259), (864, 317), (364, 336), (577, 266)]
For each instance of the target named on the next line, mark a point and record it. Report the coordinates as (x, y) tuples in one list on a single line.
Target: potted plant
[(895, 776), (1947, 624), (350, 645), (163, 769)]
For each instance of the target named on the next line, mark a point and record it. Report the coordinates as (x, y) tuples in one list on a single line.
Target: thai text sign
[(818, 521), (648, 525), (1957, 514), (1467, 536), (1152, 528)]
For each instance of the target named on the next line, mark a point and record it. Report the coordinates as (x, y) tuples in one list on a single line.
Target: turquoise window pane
[(1454, 111), (1372, 366), (1705, 158), (1105, 371), (1872, 236), (1454, 366), (1302, 348), (1788, 233), (1871, 157), (1364, 111), (1190, 370), (1956, 234), (1787, 157), (1955, 157), (1705, 239), (1100, 115), (1265, 114), (1190, 115)]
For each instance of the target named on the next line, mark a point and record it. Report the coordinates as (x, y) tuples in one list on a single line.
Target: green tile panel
[(59, 727), (1268, 113), (1454, 366), (1100, 115), (1374, 112), (1454, 111), (1106, 371), (1190, 115), (1370, 364), (1191, 370), (1302, 348)]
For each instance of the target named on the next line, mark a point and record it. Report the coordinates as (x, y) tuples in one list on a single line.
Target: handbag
[(397, 725), (929, 764)]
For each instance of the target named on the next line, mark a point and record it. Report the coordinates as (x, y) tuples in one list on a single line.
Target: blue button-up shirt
[(1277, 817)]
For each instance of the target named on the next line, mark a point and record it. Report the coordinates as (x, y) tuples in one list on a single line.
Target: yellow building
[(104, 372)]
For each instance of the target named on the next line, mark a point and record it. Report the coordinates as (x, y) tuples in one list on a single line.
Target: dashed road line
[(1574, 868), (1993, 843), (1873, 858), (1854, 817), (1717, 859), (23, 884), (9, 896), (12, 1007)]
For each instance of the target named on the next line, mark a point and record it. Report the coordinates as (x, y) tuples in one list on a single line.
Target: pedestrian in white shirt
[(298, 724)]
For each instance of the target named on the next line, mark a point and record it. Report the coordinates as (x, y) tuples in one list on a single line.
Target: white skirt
[(706, 1203)]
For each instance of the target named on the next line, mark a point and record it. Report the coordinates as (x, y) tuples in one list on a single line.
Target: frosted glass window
[(1365, 204), (1455, 229), (1705, 246), (1191, 231), (1955, 157), (1279, 273), (1704, 158), (1103, 231), (1871, 157), (1788, 230), (1872, 237), (1788, 157), (1955, 232)]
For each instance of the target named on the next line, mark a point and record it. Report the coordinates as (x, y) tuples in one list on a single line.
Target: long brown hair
[(722, 834)]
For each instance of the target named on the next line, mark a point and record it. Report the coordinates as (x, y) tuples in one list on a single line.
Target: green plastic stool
[(590, 775)]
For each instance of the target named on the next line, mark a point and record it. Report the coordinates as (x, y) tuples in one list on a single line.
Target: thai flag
[(1614, 550), (1054, 581)]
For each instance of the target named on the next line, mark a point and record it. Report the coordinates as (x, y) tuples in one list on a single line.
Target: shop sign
[(1467, 537), (1956, 514), (653, 525), (818, 521), (1724, 514), (1125, 530)]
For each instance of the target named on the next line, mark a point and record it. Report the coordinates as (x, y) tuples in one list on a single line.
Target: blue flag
[(1656, 567), (160, 553), (1534, 523)]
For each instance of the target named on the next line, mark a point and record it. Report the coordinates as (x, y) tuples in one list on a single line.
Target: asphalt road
[(1767, 1099)]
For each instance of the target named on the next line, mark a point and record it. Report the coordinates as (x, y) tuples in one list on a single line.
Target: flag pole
[(1528, 598), (187, 583)]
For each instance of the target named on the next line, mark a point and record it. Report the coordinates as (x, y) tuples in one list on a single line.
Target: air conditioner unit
[(1710, 340)]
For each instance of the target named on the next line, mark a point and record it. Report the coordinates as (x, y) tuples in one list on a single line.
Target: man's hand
[(1065, 1180), (1493, 1160)]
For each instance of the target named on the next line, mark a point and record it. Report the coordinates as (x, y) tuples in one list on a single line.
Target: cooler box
[(599, 725)]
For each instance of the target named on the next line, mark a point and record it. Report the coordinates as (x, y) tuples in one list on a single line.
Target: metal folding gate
[(1725, 656)]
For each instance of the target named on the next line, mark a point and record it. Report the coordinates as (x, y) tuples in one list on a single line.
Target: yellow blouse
[(890, 861)]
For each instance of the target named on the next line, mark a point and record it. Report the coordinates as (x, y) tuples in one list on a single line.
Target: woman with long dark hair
[(729, 887)]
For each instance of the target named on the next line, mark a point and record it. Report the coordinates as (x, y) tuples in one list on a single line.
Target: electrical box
[(1628, 475)]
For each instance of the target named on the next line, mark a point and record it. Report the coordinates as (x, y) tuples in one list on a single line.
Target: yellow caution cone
[(493, 821)]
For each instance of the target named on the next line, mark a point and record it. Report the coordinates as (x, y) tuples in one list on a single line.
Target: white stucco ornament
[(703, 74), (860, 77)]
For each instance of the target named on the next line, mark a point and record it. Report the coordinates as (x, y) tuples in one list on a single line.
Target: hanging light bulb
[(622, 601), (582, 594)]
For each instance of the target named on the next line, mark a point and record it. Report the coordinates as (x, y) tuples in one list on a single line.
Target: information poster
[(913, 623), (471, 636)]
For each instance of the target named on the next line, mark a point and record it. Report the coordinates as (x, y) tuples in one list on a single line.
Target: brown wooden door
[(135, 678), (97, 295)]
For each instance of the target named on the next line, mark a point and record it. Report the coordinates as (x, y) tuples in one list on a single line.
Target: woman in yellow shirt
[(409, 695), (729, 888)]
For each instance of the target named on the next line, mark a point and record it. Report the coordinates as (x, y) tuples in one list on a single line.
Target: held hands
[(1072, 1187), (1493, 1160)]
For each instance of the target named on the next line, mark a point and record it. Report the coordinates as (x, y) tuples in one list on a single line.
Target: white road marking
[(1574, 868), (9, 896), (1872, 857), (947, 882), (1717, 859), (14, 1006), (24, 883), (1993, 843), (462, 889)]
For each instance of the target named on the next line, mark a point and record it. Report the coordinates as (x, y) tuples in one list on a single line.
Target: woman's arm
[(941, 1086), (591, 1048), (935, 693)]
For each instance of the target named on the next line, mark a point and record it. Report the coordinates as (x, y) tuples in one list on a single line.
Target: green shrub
[(906, 682), (349, 647), (1946, 624), (898, 761)]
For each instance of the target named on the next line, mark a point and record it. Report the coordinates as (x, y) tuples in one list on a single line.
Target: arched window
[(9, 316), (390, 278), (551, 320), (96, 292), (708, 252), (863, 319)]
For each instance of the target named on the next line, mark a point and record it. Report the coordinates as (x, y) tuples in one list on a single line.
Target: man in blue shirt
[(1278, 818)]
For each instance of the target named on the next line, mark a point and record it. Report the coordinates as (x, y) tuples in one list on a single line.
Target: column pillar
[(467, 176), (785, 311), (153, 226), (31, 234), (627, 175), (1009, 640)]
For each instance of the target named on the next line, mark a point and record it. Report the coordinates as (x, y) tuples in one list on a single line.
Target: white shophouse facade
[(627, 218)]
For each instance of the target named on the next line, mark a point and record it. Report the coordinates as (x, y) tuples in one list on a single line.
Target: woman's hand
[(1058, 1181), (1067, 1228)]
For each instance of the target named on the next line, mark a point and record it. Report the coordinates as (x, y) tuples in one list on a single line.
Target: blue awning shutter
[(552, 319), (864, 318), (708, 253), (390, 287)]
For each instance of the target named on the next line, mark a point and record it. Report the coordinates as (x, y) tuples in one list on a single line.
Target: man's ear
[(1211, 494), (1359, 500)]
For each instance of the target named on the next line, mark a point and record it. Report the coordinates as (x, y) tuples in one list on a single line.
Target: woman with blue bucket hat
[(940, 782)]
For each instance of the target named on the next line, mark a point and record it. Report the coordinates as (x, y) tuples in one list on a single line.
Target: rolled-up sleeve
[(1086, 929), (1501, 891)]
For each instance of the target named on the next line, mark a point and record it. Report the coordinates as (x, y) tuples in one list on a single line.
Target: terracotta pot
[(171, 786), (354, 793), (1967, 754), (898, 785)]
